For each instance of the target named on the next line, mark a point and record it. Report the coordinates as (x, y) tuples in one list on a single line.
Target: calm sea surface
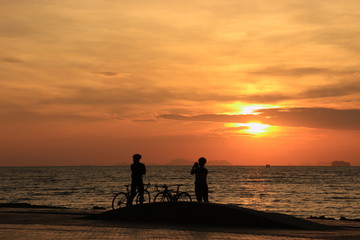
[(299, 191)]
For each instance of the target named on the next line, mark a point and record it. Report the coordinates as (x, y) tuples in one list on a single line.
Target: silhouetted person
[(137, 171), (201, 187)]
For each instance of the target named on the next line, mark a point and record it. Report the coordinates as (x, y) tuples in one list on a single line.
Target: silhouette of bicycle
[(166, 195), (122, 199)]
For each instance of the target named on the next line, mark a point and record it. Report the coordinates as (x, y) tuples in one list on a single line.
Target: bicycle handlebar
[(146, 186)]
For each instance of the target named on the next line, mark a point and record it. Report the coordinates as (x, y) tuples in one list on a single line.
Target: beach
[(48, 223)]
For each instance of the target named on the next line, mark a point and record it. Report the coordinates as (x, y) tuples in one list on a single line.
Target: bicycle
[(122, 199), (166, 194)]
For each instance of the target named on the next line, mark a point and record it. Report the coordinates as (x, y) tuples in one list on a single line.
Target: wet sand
[(45, 223)]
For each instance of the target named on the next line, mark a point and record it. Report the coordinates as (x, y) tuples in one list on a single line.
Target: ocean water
[(299, 191)]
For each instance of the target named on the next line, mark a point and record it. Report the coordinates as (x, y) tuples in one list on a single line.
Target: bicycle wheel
[(146, 197), (161, 197), (119, 200), (184, 197)]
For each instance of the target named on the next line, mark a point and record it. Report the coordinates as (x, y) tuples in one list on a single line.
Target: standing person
[(137, 171), (201, 187)]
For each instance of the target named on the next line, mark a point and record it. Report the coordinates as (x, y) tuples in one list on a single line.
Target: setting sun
[(239, 108), (256, 128), (253, 128)]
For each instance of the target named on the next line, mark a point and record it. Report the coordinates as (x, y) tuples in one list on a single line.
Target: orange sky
[(95, 81)]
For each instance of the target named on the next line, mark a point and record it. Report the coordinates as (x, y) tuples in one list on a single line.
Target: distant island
[(186, 162), (340, 164)]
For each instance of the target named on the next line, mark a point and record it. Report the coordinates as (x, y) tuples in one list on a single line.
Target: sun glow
[(253, 128), (247, 109)]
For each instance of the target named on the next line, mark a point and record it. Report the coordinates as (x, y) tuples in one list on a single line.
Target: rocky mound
[(206, 214)]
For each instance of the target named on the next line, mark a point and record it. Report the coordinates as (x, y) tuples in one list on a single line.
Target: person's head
[(202, 161), (136, 158)]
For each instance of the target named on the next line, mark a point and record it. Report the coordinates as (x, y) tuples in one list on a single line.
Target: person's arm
[(194, 168)]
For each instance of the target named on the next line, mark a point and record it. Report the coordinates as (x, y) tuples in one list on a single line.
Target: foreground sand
[(30, 223)]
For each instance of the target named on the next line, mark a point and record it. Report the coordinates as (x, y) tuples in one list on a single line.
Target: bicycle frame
[(172, 196), (128, 190), (119, 201)]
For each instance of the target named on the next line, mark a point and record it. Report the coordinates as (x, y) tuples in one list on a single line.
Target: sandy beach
[(45, 223)]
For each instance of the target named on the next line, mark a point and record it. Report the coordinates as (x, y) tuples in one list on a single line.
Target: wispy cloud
[(33, 117), (328, 118), (143, 120), (332, 90), (126, 94), (112, 74), (323, 118), (302, 71), (12, 60), (209, 117)]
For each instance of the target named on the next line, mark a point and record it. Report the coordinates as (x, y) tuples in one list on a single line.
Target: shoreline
[(60, 221), (34, 206)]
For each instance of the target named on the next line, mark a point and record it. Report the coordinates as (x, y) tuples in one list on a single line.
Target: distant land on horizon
[(187, 162), (181, 162)]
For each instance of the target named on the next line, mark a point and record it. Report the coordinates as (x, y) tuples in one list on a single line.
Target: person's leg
[(132, 194), (198, 193), (206, 194), (141, 192)]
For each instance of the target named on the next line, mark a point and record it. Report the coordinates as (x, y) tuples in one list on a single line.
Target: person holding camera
[(201, 187)]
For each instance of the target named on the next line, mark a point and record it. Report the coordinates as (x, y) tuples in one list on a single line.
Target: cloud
[(209, 117), (12, 60), (334, 90), (127, 93), (302, 71), (31, 117), (338, 89), (34, 113), (326, 118), (143, 120), (112, 74), (322, 118), (285, 71), (110, 96)]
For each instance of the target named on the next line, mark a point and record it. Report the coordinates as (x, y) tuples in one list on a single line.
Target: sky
[(91, 82)]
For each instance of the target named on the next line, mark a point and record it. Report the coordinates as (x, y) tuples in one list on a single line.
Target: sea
[(299, 191)]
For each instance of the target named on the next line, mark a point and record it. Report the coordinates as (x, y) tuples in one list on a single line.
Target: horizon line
[(164, 165)]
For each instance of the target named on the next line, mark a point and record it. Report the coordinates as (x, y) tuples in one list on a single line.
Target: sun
[(239, 108), (256, 128), (253, 128)]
